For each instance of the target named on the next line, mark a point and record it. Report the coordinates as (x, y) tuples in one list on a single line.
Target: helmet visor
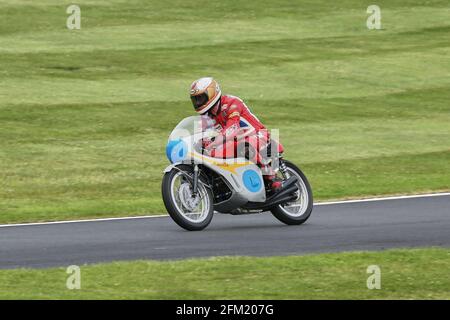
[(199, 100)]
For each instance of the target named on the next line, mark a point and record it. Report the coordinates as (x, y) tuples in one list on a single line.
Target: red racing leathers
[(240, 131)]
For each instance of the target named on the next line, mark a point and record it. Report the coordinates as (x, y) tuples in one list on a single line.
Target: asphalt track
[(374, 225)]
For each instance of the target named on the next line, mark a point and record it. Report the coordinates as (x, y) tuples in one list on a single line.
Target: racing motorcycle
[(196, 185)]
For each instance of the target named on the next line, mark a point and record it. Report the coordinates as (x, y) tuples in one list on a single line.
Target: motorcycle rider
[(231, 116)]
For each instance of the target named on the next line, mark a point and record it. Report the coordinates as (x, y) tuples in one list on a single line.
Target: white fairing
[(242, 176)]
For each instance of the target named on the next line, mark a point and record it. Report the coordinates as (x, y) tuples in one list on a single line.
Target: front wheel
[(298, 210), (188, 211)]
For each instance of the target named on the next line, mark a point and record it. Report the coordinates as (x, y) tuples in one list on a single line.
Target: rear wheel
[(298, 210), (188, 211)]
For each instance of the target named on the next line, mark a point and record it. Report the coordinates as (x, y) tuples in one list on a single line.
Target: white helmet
[(205, 92)]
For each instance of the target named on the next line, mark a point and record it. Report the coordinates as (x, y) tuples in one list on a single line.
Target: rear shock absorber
[(282, 167)]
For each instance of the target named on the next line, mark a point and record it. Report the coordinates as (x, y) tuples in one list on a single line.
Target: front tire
[(189, 212), (298, 211)]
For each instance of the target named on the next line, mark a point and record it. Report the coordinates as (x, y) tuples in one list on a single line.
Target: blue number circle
[(252, 180), (176, 150)]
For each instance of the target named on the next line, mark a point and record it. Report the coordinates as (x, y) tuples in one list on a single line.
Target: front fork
[(195, 182)]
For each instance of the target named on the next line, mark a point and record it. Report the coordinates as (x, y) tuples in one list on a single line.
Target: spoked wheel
[(298, 210), (189, 211)]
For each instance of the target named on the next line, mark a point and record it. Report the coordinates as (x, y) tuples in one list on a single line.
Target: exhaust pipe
[(280, 201), (287, 187), (285, 194)]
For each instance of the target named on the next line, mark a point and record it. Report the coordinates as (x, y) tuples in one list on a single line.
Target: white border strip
[(383, 198), (165, 215), (79, 221)]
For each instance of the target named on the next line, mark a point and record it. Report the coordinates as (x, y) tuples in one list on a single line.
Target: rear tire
[(176, 209), (286, 214)]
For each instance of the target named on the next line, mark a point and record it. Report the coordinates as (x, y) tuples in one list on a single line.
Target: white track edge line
[(79, 221), (165, 215), (427, 195)]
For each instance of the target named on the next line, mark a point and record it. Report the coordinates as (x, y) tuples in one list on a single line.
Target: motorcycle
[(196, 185)]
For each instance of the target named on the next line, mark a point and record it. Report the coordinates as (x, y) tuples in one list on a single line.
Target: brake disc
[(188, 201)]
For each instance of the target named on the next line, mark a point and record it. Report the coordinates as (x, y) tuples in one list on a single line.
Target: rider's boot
[(272, 182)]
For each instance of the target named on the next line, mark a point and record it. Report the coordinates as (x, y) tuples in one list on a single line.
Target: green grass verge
[(85, 114), (405, 274)]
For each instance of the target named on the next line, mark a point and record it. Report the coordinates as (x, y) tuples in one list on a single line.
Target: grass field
[(405, 274), (85, 114)]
